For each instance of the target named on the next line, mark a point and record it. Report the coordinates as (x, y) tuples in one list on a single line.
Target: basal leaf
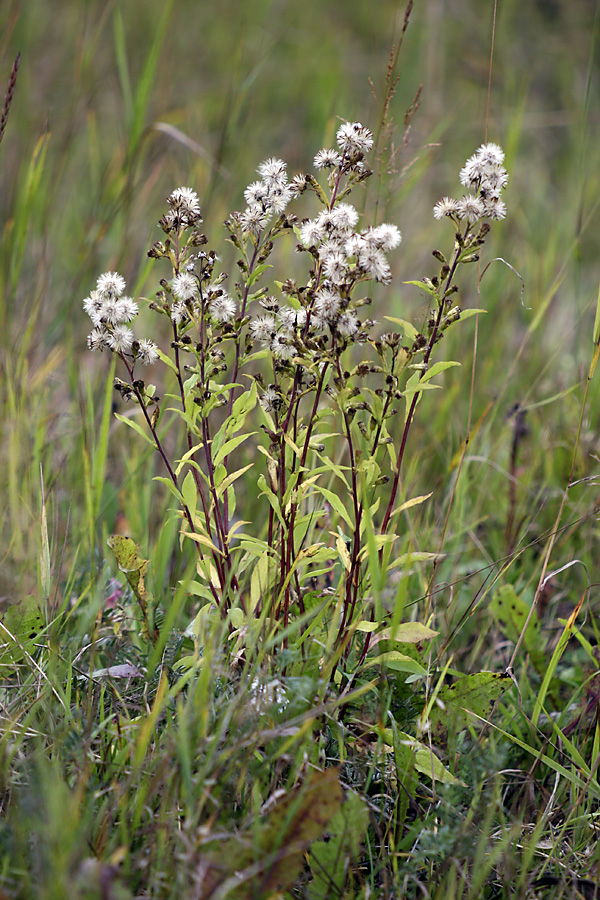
[(510, 612), (475, 693), (397, 661), (23, 623), (329, 859)]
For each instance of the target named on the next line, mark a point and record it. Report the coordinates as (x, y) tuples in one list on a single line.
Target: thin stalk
[(427, 355), (165, 459)]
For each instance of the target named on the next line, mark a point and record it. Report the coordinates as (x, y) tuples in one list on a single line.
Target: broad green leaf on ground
[(329, 859), (397, 661), (22, 624), (510, 614), (134, 567), (424, 760), (475, 693), (131, 564), (405, 633)]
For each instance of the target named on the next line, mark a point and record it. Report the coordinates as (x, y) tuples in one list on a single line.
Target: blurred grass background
[(116, 104)]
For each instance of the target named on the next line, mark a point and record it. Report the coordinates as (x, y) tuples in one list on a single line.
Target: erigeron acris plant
[(302, 360)]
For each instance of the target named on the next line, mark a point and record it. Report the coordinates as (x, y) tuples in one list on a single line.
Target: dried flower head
[(263, 328), (127, 309), (312, 233), (384, 237), (98, 339), (298, 184), (273, 171), (348, 324), (282, 348), (111, 284), (327, 158), (471, 208), (185, 206), (354, 140), (179, 313), (256, 193), (335, 264), (291, 319), (447, 206), (373, 262), (93, 306), (270, 400), (494, 208), (328, 304), (485, 175), (343, 217), (222, 308), (185, 286), (147, 352), (253, 219), (120, 339)]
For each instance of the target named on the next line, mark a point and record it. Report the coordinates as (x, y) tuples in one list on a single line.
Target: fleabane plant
[(295, 371)]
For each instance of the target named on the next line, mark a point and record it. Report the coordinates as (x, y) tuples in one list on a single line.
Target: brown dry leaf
[(295, 823), (256, 865)]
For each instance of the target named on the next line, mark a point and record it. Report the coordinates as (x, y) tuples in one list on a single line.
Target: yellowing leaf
[(340, 543), (415, 501), (406, 633), (397, 661)]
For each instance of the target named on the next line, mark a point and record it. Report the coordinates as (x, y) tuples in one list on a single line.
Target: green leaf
[(425, 760), (589, 786), (427, 763), (169, 484), (262, 578), (100, 448), (407, 559), (22, 625), (226, 482), (336, 503), (24, 207), (134, 567), (244, 404), (510, 612), (230, 445), (424, 287), (295, 823), (166, 360), (268, 860), (416, 385), (409, 330), (258, 271), (271, 497), (469, 313), (143, 90), (187, 457), (329, 860), (596, 331), (406, 633), (475, 693), (399, 662), (438, 367), (414, 501), (136, 427), (188, 491)]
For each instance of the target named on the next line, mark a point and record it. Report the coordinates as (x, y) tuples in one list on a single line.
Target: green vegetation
[(316, 650)]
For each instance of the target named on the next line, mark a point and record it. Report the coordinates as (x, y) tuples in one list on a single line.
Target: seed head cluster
[(315, 323), (267, 197), (485, 176), (344, 255), (110, 311)]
